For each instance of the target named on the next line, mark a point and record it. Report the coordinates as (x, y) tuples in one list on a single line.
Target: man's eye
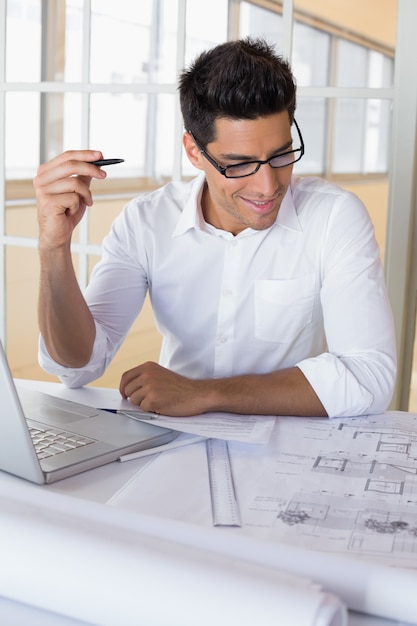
[(241, 167), (282, 159)]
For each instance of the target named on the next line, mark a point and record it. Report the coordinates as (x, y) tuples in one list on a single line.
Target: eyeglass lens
[(281, 160)]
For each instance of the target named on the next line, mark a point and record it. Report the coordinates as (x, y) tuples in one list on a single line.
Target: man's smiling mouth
[(261, 206)]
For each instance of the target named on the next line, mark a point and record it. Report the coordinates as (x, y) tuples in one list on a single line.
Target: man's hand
[(156, 389), (62, 188)]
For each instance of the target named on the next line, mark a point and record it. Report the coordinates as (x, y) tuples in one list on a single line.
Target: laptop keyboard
[(52, 441)]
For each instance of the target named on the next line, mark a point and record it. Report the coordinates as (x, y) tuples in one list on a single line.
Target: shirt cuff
[(337, 388), (73, 377)]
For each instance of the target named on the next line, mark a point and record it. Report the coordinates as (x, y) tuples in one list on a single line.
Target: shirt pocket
[(283, 308)]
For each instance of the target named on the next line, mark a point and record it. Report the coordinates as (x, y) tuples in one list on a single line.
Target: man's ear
[(192, 151)]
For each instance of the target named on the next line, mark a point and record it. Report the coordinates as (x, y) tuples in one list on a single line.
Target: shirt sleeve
[(356, 375), (77, 377)]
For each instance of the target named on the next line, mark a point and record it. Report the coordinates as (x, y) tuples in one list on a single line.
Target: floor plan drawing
[(348, 488), (345, 485)]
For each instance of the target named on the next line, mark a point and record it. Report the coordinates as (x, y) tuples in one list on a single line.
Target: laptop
[(44, 439)]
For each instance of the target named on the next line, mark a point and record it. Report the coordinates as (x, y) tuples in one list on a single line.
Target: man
[(268, 289)]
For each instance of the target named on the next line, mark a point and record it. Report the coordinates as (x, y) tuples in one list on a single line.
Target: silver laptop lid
[(17, 454), (92, 437)]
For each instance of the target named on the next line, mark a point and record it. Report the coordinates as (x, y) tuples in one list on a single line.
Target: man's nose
[(267, 179)]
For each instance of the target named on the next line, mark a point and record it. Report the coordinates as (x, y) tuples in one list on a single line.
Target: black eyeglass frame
[(223, 170)]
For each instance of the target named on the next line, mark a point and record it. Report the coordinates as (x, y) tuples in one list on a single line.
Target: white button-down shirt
[(308, 291)]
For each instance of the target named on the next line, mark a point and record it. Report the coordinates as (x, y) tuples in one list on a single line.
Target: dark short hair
[(240, 79)]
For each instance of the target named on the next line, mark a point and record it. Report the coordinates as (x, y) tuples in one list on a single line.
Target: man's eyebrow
[(230, 156)]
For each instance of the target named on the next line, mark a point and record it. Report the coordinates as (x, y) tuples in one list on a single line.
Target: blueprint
[(342, 485), (346, 486)]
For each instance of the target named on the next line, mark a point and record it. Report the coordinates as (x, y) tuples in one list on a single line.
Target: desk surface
[(100, 485)]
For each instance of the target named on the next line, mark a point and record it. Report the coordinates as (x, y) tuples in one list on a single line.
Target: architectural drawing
[(347, 488)]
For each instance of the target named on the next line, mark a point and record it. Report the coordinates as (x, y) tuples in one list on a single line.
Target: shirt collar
[(192, 217), (287, 215)]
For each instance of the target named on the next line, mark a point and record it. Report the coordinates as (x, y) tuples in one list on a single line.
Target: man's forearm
[(285, 392), (65, 322)]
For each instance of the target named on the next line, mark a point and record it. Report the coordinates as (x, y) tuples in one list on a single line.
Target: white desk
[(100, 485)]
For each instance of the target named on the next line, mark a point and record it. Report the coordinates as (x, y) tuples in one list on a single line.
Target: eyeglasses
[(247, 168)]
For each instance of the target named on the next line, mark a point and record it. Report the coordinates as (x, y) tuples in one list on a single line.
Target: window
[(343, 136), (257, 21), (68, 88), (311, 55)]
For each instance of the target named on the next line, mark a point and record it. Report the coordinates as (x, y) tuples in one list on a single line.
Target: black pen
[(106, 162), (135, 415)]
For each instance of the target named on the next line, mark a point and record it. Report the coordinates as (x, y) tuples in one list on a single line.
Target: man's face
[(253, 201)]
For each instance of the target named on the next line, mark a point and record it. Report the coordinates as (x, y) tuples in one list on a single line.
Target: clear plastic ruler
[(224, 503)]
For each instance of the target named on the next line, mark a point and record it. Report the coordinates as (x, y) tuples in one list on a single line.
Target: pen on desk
[(102, 162), (136, 415)]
